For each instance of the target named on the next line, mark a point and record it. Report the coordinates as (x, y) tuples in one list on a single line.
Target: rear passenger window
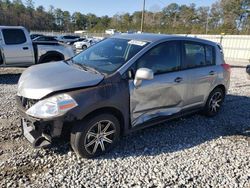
[(198, 55), (13, 36), (194, 55)]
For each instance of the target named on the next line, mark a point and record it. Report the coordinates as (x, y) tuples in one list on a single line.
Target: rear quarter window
[(210, 55)]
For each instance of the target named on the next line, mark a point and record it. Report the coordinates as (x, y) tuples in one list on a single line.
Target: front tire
[(84, 47), (214, 102), (95, 136)]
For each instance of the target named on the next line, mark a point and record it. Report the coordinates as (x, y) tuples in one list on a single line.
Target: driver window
[(163, 58)]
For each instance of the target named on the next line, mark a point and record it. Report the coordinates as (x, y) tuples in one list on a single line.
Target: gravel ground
[(190, 152)]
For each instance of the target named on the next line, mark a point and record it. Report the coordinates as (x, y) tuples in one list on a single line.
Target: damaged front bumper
[(39, 132)]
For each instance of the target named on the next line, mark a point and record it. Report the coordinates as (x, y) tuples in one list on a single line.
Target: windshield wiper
[(87, 68), (92, 69), (84, 67)]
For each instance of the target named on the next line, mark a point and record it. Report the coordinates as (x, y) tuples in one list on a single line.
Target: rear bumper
[(39, 132)]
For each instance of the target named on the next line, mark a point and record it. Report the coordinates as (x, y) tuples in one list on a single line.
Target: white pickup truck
[(17, 49)]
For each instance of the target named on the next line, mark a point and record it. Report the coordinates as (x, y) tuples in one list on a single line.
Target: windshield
[(109, 55)]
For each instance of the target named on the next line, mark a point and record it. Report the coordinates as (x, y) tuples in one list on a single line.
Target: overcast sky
[(111, 7)]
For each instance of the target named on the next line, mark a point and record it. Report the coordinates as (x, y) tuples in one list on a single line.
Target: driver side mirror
[(143, 74)]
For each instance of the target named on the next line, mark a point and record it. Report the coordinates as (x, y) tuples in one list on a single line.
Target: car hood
[(40, 80)]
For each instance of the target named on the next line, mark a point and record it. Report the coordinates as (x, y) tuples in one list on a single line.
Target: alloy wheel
[(215, 102), (99, 137)]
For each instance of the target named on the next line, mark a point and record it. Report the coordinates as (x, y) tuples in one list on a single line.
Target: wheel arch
[(222, 87), (51, 54), (110, 110)]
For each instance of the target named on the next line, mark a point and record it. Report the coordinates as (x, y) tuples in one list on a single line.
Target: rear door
[(16, 47), (165, 94), (199, 62)]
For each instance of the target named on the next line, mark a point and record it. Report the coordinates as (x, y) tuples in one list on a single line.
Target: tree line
[(223, 16)]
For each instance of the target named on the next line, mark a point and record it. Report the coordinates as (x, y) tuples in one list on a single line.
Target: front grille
[(27, 103)]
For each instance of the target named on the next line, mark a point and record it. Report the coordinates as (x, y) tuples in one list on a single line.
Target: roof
[(150, 37), (11, 27)]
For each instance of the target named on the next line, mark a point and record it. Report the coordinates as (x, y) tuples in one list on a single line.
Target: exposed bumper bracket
[(35, 137)]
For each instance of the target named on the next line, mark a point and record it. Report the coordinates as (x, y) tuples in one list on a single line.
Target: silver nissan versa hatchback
[(122, 84)]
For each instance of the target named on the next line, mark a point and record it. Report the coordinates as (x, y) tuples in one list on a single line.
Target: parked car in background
[(17, 48), (32, 36), (45, 39), (84, 44), (119, 85), (68, 38), (78, 40), (110, 31)]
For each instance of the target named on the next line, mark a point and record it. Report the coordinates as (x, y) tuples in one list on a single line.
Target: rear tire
[(214, 102), (95, 136)]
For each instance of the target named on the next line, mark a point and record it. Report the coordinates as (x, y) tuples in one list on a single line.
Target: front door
[(16, 48), (165, 94)]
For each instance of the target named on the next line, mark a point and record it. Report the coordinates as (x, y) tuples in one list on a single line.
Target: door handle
[(212, 73), (178, 79), (25, 48)]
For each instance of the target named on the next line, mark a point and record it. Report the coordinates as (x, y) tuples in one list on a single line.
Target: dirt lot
[(190, 152)]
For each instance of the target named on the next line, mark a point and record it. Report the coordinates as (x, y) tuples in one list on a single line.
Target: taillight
[(226, 67)]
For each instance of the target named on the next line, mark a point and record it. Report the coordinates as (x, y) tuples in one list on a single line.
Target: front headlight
[(52, 107)]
